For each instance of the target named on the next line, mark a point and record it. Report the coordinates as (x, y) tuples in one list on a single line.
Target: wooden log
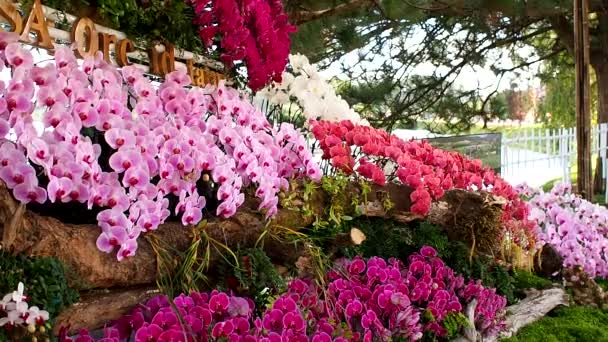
[(470, 334), (24, 231), (532, 308), (97, 308)]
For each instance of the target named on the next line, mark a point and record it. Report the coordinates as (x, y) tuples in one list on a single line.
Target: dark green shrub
[(255, 277), (44, 280)]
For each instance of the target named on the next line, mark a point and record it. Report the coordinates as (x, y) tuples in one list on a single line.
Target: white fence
[(537, 156)]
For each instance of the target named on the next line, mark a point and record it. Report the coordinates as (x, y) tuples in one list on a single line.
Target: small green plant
[(454, 322), (44, 280), (255, 277), (603, 283)]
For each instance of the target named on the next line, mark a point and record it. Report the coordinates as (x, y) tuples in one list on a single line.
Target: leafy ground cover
[(567, 324)]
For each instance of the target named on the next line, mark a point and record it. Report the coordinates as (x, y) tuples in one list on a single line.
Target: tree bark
[(601, 73), (96, 309)]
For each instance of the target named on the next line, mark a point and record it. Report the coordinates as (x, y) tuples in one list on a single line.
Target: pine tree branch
[(303, 16)]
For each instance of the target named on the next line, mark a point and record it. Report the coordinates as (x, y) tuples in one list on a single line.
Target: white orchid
[(35, 315), (16, 308), (298, 61), (313, 97), (18, 296), (13, 318), (6, 301)]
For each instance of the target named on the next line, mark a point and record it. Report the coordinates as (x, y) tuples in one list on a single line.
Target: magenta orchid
[(373, 300), (253, 31)]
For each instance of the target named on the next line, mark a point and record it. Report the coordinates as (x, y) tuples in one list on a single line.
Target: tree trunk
[(96, 309), (601, 73)]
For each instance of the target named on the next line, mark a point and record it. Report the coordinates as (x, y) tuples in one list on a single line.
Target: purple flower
[(239, 307), (148, 332), (164, 319), (222, 329), (294, 321), (219, 303), (428, 252)]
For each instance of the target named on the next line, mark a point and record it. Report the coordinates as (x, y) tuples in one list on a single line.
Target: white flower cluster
[(305, 87), (16, 311)]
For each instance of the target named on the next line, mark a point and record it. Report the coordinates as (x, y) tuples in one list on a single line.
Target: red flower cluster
[(380, 156), (256, 31)]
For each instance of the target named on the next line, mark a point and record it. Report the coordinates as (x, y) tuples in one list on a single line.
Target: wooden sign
[(88, 41)]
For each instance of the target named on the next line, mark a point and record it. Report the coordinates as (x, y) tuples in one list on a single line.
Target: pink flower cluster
[(160, 141), (256, 31), (364, 301), (371, 153), (576, 228)]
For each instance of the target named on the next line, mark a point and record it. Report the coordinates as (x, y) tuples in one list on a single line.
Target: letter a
[(36, 22)]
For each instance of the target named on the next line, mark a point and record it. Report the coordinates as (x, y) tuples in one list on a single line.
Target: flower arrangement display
[(115, 142), (15, 312), (254, 31), (363, 301), (576, 228), (373, 153), (307, 95)]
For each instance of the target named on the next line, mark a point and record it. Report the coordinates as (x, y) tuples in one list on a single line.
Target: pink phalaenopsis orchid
[(120, 144)]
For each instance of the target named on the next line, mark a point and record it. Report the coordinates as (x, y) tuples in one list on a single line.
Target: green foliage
[(43, 278), (343, 204), (567, 324), (454, 322), (180, 272), (257, 277), (527, 280), (154, 20), (603, 283), (426, 45), (557, 108)]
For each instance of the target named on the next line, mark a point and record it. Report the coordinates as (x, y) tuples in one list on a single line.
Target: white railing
[(537, 156)]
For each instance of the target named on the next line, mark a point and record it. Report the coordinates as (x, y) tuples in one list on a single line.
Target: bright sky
[(470, 78)]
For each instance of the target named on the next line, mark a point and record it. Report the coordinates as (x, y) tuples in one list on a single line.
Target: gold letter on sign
[(124, 46), (9, 12), (162, 63), (167, 60), (84, 29), (105, 40), (37, 23)]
